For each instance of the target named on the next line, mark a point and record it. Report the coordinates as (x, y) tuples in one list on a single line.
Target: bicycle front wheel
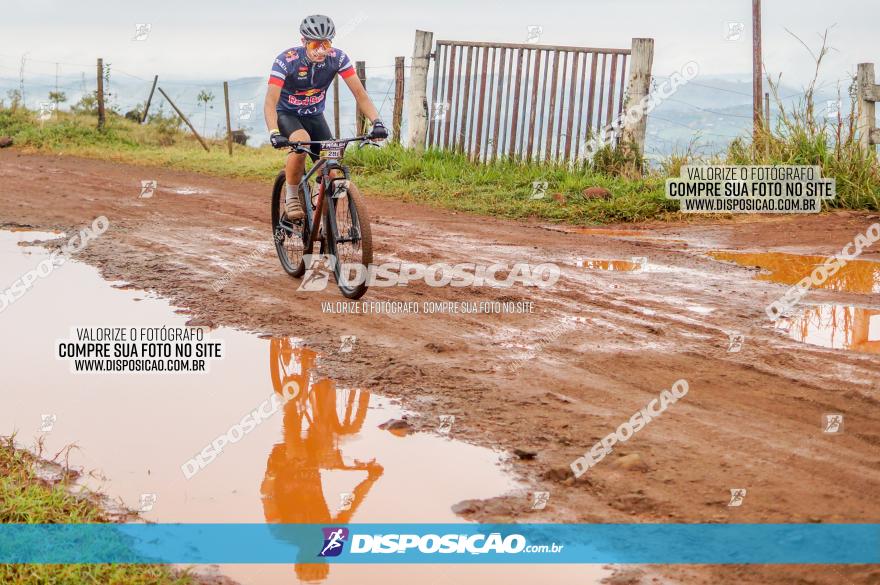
[(289, 236), (353, 248)]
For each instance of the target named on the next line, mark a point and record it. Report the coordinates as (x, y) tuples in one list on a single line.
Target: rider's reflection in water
[(315, 415)]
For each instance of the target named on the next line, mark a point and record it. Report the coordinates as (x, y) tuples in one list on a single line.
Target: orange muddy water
[(321, 458), (858, 276), (610, 265), (835, 326)]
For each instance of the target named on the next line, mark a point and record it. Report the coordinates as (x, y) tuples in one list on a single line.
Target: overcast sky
[(224, 39)]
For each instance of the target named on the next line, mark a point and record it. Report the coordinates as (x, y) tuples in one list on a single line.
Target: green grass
[(24, 498), (442, 179), (449, 180)]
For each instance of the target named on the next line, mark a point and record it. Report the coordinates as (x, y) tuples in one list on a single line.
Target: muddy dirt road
[(599, 344)]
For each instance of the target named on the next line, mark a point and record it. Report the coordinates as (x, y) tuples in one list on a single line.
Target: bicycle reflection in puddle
[(316, 415)]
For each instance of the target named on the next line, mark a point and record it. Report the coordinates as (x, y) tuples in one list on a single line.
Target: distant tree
[(206, 97), (57, 97), (88, 104), (14, 96)]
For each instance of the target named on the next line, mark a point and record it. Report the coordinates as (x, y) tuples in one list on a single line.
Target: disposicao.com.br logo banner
[(442, 543)]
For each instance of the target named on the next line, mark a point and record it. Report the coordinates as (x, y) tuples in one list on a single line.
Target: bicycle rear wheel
[(289, 236), (354, 247)]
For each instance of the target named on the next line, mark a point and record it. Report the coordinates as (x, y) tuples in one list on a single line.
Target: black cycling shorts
[(316, 126)]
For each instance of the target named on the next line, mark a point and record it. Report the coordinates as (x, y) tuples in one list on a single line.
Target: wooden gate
[(524, 101)]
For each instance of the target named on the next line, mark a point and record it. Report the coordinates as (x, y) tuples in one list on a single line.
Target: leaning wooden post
[(867, 93), (360, 121), (642, 59), (417, 117), (149, 99), (397, 116), (336, 105), (100, 93), (185, 119), (228, 123)]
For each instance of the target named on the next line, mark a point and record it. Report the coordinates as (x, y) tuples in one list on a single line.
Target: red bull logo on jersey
[(291, 56), (306, 97)]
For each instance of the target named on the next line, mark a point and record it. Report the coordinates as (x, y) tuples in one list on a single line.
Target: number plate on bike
[(332, 149)]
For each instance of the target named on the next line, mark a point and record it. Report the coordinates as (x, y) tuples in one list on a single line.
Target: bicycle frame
[(314, 212)]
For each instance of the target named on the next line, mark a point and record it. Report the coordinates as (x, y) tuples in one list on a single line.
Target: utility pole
[(21, 78), (100, 93), (757, 85)]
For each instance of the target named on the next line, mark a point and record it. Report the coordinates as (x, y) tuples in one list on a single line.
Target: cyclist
[(294, 107)]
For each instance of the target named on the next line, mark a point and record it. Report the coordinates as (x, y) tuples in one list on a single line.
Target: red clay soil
[(598, 346)]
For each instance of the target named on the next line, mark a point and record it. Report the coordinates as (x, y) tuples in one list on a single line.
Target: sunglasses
[(315, 45)]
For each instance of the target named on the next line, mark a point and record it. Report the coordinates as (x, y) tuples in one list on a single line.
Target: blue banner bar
[(442, 543)]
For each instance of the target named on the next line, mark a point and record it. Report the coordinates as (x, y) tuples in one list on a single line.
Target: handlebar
[(298, 145)]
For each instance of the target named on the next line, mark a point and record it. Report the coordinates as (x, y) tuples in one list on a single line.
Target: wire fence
[(33, 79)]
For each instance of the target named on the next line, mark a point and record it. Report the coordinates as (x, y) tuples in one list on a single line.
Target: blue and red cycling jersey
[(304, 82)]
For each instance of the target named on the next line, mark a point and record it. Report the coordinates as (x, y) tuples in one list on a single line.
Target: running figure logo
[(318, 272), (334, 540), (737, 495), (832, 423)]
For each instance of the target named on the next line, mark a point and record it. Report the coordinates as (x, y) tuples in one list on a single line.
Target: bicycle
[(344, 230)]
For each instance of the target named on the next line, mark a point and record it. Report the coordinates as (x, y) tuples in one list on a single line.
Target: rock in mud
[(596, 193), (200, 322), (5, 141), (633, 461), (466, 507), (558, 474), (396, 424), (526, 454)]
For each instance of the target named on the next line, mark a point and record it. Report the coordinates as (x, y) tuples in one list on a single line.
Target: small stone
[(5, 141), (395, 424), (558, 474), (466, 507), (633, 461), (200, 322), (596, 193), (435, 347), (525, 454)]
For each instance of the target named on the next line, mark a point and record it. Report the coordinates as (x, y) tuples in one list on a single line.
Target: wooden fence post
[(417, 117), (228, 123), (185, 119), (360, 121), (397, 116), (149, 99), (336, 106), (868, 93), (100, 93), (642, 59)]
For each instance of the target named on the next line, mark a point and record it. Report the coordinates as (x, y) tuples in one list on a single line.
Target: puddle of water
[(610, 232), (835, 327), (320, 459), (610, 265), (645, 235), (858, 276), (185, 190), (24, 235)]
